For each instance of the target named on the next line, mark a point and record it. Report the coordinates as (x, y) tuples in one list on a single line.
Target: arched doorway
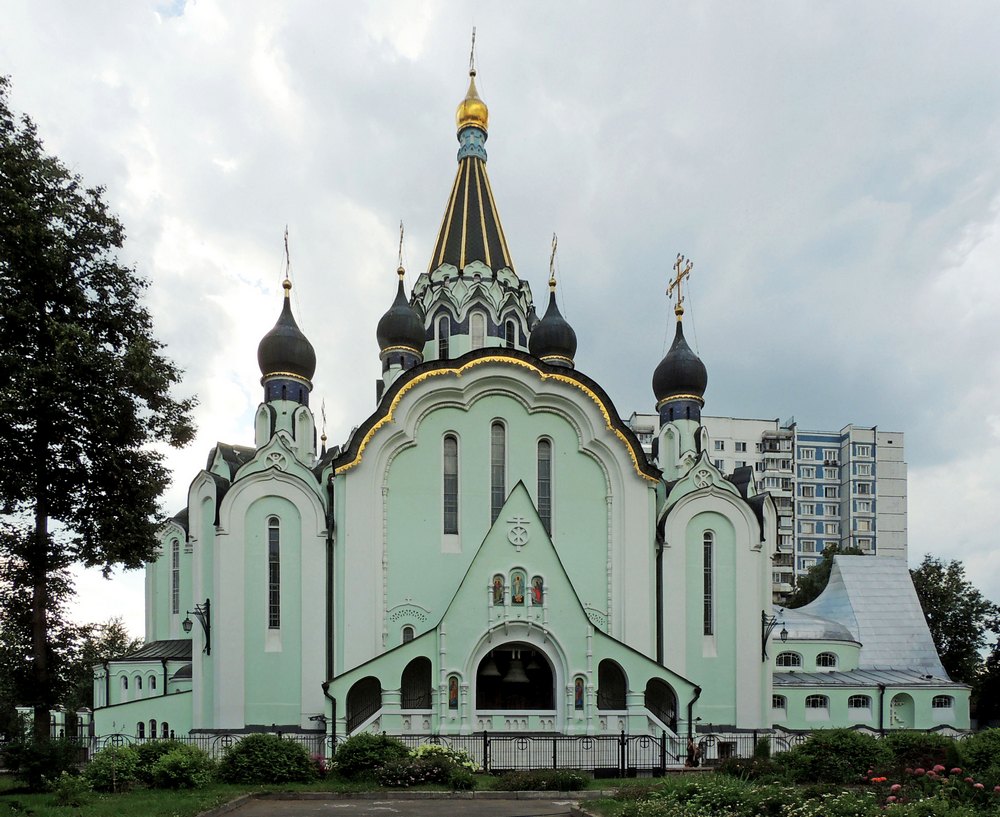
[(364, 699), (515, 677), (901, 712), (611, 685), (415, 685), (661, 700)]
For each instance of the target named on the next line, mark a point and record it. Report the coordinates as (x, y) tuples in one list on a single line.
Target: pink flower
[(956, 770), (918, 771), (968, 780), (895, 787), (996, 789), (939, 768), (977, 786), (909, 770), (890, 799)]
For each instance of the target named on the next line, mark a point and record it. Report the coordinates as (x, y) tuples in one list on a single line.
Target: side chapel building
[(493, 550)]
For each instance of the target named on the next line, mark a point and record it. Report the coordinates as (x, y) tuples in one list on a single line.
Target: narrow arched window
[(498, 469), (140, 730), (509, 334), (165, 730), (444, 336), (152, 682), (175, 576), (545, 484), (477, 329), (708, 563), (152, 728), (407, 634), (273, 573), (450, 488), (124, 683), (138, 682)]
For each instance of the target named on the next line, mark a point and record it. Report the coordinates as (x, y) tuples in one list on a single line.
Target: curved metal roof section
[(471, 228)]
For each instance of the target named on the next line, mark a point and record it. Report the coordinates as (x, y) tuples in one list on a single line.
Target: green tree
[(986, 690), (85, 390), (815, 579), (960, 618), (98, 643)]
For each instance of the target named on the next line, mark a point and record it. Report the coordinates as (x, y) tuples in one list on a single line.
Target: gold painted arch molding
[(458, 371)]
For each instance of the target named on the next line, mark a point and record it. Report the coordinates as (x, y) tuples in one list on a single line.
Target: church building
[(492, 549)]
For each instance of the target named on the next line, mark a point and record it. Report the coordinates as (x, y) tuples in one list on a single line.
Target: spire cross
[(322, 411), (400, 270), (287, 283), (472, 53), (683, 269), (552, 262)]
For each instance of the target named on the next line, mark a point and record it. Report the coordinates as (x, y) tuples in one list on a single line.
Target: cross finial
[(472, 54), (400, 268), (287, 283), (322, 411), (682, 268), (552, 262)]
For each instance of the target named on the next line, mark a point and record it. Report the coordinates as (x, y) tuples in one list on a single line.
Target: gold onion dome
[(472, 111)]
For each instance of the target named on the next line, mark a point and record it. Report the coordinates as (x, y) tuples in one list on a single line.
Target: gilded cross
[(683, 269), (552, 261)]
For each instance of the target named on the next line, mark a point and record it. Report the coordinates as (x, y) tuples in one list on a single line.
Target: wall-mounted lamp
[(202, 612), (767, 625)]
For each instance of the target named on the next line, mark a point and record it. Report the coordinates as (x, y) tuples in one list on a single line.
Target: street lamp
[(767, 625), (202, 612)]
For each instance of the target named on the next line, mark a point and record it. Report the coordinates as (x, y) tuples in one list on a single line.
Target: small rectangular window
[(720, 445), (741, 447)]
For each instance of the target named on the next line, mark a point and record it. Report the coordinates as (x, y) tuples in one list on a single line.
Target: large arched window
[(827, 660), (779, 702), (545, 484), (477, 329), (498, 469), (273, 573), (817, 702), (708, 562), (788, 659), (175, 576), (450, 488), (859, 702), (444, 336)]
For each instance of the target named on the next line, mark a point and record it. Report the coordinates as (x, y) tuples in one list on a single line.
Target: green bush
[(38, 764), (184, 767), (543, 780), (71, 790), (981, 751), (364, 754), (834, 756), (115, 768), (911, 749), (755, 768), (459, 757), (263, 758), (151, 752)]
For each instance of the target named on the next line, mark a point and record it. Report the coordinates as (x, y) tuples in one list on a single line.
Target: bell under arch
[(515, 677)]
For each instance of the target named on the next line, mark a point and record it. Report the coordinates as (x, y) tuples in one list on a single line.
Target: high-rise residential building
[(845, 487)]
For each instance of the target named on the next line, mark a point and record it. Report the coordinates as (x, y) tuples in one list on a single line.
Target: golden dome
[(472, 111)]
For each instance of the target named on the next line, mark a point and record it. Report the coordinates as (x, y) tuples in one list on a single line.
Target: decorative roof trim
[(290, 375), (695, 397), (612, 422), (413, 349)]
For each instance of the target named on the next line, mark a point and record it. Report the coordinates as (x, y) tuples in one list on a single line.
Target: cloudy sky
[(832, 168)]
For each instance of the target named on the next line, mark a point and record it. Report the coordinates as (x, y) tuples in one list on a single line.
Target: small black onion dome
[(285, 350), (552, 336), (681, 372), (401, 325)]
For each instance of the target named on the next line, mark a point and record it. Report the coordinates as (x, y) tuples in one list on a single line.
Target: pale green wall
[(175, 709)]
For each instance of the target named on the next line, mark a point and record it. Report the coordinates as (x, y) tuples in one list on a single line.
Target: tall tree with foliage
[(85, 390), (960, 618), (815, 579)]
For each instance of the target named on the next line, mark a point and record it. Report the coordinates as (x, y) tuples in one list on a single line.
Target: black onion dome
[(681, 372), (552, 336), (401, 325), (285, 350)]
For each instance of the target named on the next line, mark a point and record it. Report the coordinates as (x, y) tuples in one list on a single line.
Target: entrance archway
[(611, 685), (661, 700), (515, 677), (415, 685), (364, 699)]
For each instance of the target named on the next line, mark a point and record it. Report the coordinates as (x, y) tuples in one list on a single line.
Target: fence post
[(486, 752), (554, 766), (663, 752), (621, 754)]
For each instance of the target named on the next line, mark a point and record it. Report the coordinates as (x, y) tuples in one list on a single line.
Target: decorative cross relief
[(517, 533), (702, 477), (276, 459)]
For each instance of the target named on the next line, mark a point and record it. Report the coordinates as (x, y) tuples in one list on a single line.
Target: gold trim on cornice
[(458, 371), (290, 375), (558, 357), (694, 397), (482, 218), (401, 349)]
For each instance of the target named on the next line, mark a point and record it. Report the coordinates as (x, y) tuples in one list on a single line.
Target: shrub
[(38, 764), (834, 756), (762, 749), (151, 752), (264, 758), (543, 780), (115, 768), (183, 767), (71, 790), (459, 757), (755, 768), (364, 754), (921, 749), (981, 751)]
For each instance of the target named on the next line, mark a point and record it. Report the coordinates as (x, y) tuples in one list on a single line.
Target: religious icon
[(498, 589), (453, 692), (578, 694), (536, 590), (517, 588)]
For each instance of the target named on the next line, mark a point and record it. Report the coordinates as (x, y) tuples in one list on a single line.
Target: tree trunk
[(39, 567)]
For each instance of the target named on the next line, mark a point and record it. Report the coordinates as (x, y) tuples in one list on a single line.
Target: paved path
[(334, 807)]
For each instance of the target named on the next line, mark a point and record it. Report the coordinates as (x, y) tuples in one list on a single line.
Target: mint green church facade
[(491, 549)]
